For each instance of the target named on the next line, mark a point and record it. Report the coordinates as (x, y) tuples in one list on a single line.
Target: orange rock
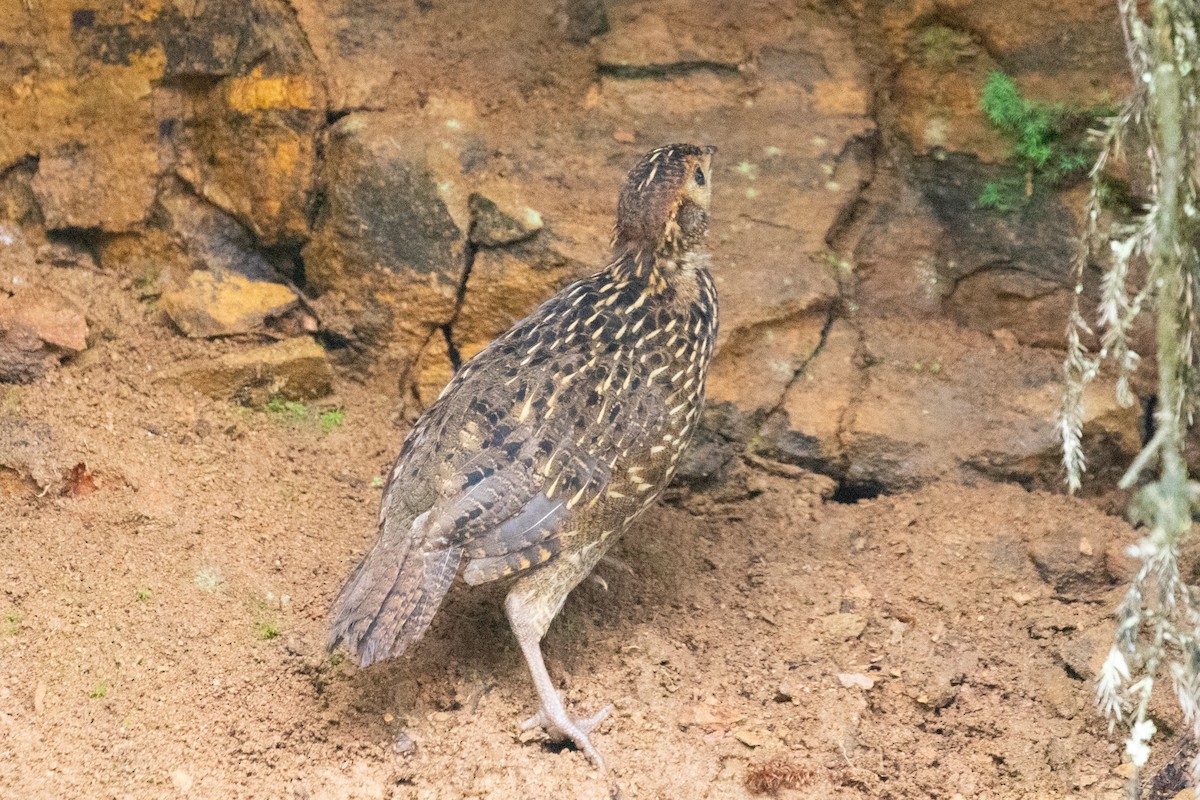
[(89, 119), (52, 317), (222, 304)]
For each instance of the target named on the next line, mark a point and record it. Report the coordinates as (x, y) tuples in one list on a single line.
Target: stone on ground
[(212, 304), (294, 369)]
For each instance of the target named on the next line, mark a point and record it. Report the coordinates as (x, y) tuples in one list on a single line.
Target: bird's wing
[(509, 502), (491, 474)]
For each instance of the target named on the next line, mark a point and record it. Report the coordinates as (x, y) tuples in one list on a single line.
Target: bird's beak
[(706, 191)]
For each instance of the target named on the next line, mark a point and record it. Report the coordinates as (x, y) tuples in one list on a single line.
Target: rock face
[(934, 251), (412, 210), (892, 407), (505, 286), (253, 100), (643, 41), (781, 195), (54, 319), (932, 246), (84, 111), (877, 324), (392, 231), (944, 52), (389, 210), (498, 217), (807, 428), (231, 85)]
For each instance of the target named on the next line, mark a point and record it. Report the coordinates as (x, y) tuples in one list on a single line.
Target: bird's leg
[(552, 716)]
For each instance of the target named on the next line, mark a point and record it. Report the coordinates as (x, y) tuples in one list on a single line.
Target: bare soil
[(163, 635)]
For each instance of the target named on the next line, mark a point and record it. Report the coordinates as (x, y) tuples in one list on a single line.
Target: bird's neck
[(659, 269)]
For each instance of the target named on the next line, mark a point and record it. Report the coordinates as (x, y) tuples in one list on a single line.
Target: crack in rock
[(659, 71), (459, 299)]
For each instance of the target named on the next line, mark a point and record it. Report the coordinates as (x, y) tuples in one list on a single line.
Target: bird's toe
[(561, 726)]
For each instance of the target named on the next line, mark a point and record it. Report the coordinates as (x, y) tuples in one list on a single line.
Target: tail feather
[(378, 631), (409, 607), (390, 599)]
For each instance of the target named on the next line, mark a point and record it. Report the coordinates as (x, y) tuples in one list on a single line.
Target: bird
[(547, 444)]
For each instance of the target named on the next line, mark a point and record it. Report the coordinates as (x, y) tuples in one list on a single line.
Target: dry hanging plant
[(1159, 618)]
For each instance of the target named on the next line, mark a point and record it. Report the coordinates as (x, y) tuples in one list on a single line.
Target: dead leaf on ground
[(80, 482)]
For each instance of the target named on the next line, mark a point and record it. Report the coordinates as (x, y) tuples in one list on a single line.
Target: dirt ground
[(163, 635)]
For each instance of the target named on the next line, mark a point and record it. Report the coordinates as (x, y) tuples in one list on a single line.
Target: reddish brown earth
[(167, 557), (933, 644)]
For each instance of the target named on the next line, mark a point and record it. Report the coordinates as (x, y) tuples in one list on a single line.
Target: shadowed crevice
[(459, 298), (660, 71)]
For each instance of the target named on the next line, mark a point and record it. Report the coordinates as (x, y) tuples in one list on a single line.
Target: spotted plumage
[(545, 447)]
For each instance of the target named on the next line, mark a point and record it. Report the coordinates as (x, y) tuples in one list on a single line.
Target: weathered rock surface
[(939, 82), (944, 52), (210, 237), (18, 205), (933, 247), (85, 112), (53, 318), (421, 250), (931, 250), (642, 41), (585, 19), (107, 98), (23, 356), (37, 326), (505, 286), (355, 45), (213, 304), (27, 460), (806, 429), (149, 258), (781, 194), (295, 369), (392, 231), (908, 406), (500, 217), (1070, 560), (251, 100)]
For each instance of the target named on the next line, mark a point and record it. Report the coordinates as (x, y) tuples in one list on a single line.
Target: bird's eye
[(699, 177)]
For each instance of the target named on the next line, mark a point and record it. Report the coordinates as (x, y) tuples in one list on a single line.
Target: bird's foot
[(560, 726), (616, 563), (613, 561)]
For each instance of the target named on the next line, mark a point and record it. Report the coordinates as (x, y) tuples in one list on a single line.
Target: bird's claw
[(613, 561), (560, 726)]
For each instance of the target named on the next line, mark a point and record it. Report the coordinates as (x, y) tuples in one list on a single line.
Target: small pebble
[(404, 744), (181, 780)]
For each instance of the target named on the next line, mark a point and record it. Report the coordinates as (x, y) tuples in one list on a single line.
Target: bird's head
[(664, 204)]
